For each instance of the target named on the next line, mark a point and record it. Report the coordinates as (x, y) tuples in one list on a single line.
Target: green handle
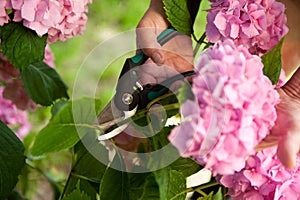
[(165, 36)]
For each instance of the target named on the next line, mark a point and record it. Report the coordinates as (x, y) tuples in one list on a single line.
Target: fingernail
[(157, 58)]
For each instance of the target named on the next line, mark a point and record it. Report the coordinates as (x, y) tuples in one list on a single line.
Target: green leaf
[(218, 195), (185, 93), (21, 45), (115, 183), (67, 127), (76, 195), (179, 16), (186, 166), (149, 189), (87, 170), (57, 106), (43, 84), (12, 160), (212, 196), (272, 63), (172, 184)]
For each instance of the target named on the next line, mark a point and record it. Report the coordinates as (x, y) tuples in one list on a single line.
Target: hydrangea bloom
[(265, 178), (4, 5), (257, 24), (233, 110), (61, 19), (13, 117), (14, 89)]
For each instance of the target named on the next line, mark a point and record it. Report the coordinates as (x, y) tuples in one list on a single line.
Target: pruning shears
[(131, 95)]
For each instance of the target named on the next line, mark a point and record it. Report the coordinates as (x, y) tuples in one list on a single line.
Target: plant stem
[(183, 192), (210, 184), (199, 42), (201, 192)]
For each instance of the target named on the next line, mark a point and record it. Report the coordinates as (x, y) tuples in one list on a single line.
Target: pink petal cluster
[(60, 19), (4, 5), (264, 178), (14, 88), (13, 117), (257, 24), (233, 110)]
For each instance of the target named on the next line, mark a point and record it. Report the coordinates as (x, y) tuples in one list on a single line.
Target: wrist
[(292, 87), (157, 6)]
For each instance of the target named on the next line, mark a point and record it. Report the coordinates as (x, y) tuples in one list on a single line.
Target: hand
[(176, 56), (290, 49), (286, 132)]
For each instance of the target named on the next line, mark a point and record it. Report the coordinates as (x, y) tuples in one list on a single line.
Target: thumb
[(147, 42)]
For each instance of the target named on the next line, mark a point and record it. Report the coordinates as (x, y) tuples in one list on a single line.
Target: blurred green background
[(105, 20)]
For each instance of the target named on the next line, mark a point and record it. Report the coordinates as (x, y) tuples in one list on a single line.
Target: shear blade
[(111, 116)]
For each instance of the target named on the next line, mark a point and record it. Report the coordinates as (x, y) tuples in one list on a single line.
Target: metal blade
[(111, 116)]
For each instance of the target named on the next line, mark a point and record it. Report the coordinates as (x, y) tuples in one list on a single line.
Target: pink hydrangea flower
[(13, 117), (15, 92), (7, 70), (14, 88), (49, 57), (4, 5), (233, 110), (257, 24), (61, 19), (265, 178), (281, 80)]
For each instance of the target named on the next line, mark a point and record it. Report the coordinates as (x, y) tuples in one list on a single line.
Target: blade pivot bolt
[(127, 98)]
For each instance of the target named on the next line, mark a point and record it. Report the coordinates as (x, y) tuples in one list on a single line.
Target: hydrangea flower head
[(14, 88), (60, 19), (233, 110), (13, 117), (257, 24), (4, 5), (265, 178)]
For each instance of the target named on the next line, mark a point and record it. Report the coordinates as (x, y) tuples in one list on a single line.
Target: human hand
[(176, 56), (290, 48), (286, 132)]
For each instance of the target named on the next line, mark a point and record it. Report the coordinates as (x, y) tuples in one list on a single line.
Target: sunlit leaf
[(67, 127), (76, 195), (272, 63), (178, 15)]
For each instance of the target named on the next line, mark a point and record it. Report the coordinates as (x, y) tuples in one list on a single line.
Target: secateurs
[(131, 95)]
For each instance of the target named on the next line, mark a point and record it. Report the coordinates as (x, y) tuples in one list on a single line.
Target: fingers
[(267, 142), (288, 148), (147, 42)]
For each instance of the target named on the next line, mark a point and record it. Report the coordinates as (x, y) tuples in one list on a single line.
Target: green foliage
[(171, 184), (212, 196), (143, 186), (87, 170), (115, 182), (272, 63), (77, 194), (67, 127), (185, 93), (186, 166), (43, 84), (21, 45), (12, 160), (178, 15)]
